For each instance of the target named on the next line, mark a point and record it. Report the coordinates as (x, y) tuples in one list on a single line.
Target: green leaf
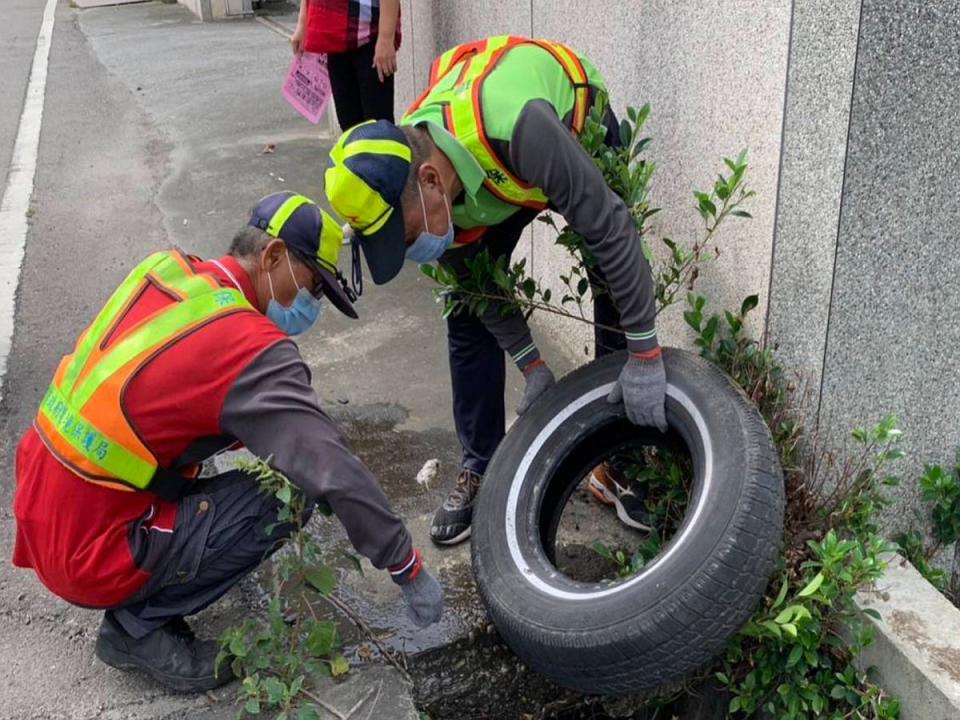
[(339, 666), (308, 712), (786, 615), (238, 646), (323, 579), (647, 250), (781, 595), (735, 704), (817, 704), (322, 639), (741, 213), (812, 586), (795, 655), (720, 188), (276, 690), (707, 206), (722, 678), (626, 133), (871, 612), (748, 304), (773, 628), (252, 707), (711, 329), (643, 114), (602, 550), (790, 629), (693, 319), (285, 494)]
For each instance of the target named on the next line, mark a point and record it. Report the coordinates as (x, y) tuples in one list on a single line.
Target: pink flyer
[(307, 86)]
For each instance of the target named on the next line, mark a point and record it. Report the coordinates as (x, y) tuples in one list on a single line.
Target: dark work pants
[(477, 365), (358, 93), (220, 536), (477, 369)]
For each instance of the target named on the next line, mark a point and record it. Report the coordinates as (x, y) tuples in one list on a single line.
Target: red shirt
[(336, 26), (73, 533)]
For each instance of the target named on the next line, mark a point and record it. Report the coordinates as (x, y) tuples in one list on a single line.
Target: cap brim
[(334, 292), (385, 249)]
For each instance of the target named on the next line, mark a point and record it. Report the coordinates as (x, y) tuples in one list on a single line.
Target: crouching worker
[(189, 357)]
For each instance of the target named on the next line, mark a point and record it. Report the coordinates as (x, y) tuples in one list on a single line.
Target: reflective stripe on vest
[(81, 418), (463, 112)]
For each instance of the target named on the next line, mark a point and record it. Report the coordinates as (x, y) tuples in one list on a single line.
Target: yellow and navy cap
[(304, 226), (364, 182)]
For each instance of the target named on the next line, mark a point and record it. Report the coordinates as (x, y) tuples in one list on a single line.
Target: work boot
[(171, 655), (451, 524), (608, 483)]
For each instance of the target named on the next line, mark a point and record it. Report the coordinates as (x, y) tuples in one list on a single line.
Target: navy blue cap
[(364, 184), (304, 226)]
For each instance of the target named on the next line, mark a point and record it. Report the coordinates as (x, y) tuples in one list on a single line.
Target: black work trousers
[(358, 93), (219, 537)]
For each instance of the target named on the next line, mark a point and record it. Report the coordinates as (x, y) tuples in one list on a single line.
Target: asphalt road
[(18, 37)]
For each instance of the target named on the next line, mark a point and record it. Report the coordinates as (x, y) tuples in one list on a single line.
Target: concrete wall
[(865, 260), (218, 9), (850, 112), (200, 8)]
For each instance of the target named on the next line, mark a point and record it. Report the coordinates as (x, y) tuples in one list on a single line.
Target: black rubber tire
[(679, 612)]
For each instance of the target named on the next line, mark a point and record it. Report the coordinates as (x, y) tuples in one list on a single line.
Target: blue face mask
[(298, 317), (429, 247)]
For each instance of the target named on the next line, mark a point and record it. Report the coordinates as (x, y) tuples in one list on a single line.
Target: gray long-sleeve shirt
[(273, 410), (544, 153)]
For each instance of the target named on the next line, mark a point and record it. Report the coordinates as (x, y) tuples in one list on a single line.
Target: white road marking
[(16, 196)]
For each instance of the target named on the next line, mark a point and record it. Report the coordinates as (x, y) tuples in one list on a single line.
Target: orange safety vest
[(82, 420), (463, 112)]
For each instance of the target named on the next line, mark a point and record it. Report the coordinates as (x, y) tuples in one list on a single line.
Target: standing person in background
[(360, 39)]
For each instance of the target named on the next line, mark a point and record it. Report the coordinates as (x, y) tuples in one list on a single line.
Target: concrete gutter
[(916, 652)]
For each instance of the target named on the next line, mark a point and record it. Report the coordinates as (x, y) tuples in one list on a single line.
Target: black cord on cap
[(355, 266)]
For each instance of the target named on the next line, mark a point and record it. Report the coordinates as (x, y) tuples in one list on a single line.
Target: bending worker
[(492, 141), (186, 359)]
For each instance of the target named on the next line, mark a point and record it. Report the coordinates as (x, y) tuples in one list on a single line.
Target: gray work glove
[(422, 592), (424, 598), (539, 379), (642, 388)]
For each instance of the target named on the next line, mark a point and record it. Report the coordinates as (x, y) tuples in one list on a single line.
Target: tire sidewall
[(703, 406)]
